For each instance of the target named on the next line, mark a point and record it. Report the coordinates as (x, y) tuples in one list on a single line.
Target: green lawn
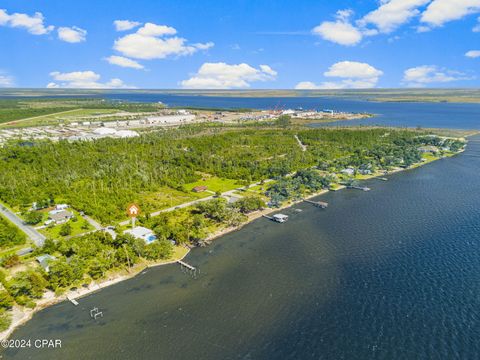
[(167, 197), (215, 184), (429, 156), (54, 232), (257, 189), (335, 187)]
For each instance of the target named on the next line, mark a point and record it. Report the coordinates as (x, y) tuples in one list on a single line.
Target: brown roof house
[(200, 188)]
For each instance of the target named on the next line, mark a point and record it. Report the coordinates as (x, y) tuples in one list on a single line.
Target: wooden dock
[(320, 204), (73, 301), (188, 266)]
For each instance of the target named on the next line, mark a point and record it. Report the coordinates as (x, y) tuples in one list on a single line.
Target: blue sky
[(240, 44)]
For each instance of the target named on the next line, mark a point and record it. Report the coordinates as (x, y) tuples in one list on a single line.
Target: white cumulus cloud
[(340, 31), (83, 80), (150, 29), (476, 28), (421, 76), (307, 85), (72, 34), (124, 25), (204, 46), (353, 69), (392, 14), (225, 76), (153, 41), (351, 74), (473, 54), (33, 24), (124, 62), (6, 80), (440, 12)]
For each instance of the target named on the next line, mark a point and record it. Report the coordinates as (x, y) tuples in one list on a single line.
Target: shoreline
[(50, 299), (25, 314)]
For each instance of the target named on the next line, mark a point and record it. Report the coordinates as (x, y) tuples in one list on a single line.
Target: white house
[(61, 206), (58, 217), (140, 232), (348, 171), (365, 171), (44, 261)]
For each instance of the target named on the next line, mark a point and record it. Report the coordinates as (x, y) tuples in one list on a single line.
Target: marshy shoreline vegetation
[(383, 95), (247, 170)]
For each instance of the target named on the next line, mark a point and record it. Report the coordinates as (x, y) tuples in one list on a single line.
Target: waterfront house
[(44, 261), (142, 233), (348, 171), (428, 149), (59, 216), (365, 171)]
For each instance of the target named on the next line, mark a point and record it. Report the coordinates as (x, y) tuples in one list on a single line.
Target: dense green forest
[(10, 235), (102, 177), (78, 261)]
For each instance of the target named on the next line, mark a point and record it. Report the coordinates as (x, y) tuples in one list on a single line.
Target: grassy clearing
[(166, 198), (215, 184), (257, 189), (80, 226), (179, 252), (62, 117)]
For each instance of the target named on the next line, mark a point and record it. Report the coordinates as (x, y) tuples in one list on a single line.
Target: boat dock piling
[(320, 204), (94, 313)]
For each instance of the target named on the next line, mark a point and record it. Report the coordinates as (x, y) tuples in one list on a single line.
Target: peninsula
[(64, 231)]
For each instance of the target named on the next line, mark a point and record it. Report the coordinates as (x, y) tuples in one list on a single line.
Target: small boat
[(281, 218)]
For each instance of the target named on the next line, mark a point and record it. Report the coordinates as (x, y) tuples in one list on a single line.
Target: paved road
[(190, 203), (97, 226), (37, 238), (39, 116), (227, 194)]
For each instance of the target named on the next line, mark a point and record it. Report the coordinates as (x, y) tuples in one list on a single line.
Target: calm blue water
[(402, 114), (437, 115), (393, 273)]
